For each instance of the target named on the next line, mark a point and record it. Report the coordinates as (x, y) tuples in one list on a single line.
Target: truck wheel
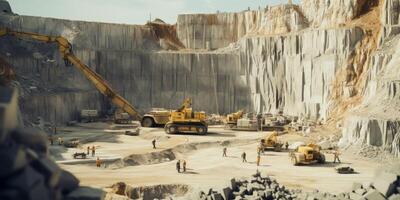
[(294, 160), (147, 122), (170, 129), (201, 130), (321, 159)]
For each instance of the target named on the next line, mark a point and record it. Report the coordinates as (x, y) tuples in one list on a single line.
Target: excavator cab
[(186, 120)]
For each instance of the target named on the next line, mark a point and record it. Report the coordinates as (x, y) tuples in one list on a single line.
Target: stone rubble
[(260, 187)]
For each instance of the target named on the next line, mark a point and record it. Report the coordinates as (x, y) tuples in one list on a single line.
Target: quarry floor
[(203, 154)]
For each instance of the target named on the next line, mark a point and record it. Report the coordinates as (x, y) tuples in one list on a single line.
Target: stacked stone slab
[(26, 170)]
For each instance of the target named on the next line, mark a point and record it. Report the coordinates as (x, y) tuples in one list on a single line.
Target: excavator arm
[(65, 49)]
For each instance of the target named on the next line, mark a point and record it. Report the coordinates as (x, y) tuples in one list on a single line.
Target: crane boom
[(65, 49)]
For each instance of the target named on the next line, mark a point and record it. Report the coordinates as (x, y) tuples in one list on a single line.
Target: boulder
[(374, 195), (217, 196), (385, 183), (394, 197), (227, 193)]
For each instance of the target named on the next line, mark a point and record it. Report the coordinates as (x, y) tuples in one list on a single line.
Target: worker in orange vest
[(98, 162)]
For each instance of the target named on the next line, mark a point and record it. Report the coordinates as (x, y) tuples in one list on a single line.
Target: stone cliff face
[(318, 59), (221, 29), (129, 57), (376, 121)]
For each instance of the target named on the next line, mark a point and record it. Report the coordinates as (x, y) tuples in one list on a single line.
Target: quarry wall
[(376, 121)]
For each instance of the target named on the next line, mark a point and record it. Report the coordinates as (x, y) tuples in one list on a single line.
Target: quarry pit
[(316, 74)]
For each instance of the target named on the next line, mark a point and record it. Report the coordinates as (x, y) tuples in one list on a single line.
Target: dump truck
[(156, 117), (307, 154), (271, 142), (185, 120)]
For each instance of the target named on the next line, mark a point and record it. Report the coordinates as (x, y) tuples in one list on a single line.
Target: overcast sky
[(130, 11)]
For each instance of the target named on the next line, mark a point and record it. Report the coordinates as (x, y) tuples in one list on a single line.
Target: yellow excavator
[(65, 49), (185, 120), (232, 119), (271, 142)]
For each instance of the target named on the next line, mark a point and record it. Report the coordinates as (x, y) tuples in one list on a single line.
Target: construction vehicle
[(186, 120), (65, 49), (156, 117), (271, 142), (307, 154), (81, 155), (345, 170), (232, 119), (121, 117), (89, 116)]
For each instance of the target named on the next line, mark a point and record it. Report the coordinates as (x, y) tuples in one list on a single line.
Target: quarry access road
[(144, 166)]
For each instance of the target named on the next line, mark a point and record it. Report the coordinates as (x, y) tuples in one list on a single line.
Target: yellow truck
[(307, 154)]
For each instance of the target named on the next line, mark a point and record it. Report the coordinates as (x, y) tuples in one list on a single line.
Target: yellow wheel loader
[(185, 120), (306, 155)]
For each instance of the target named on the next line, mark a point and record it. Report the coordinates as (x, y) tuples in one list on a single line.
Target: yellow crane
[(65, 50)]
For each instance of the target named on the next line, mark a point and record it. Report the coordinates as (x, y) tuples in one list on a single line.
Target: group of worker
[(93, 148), (178, 166), (243, 156), (59, 139)]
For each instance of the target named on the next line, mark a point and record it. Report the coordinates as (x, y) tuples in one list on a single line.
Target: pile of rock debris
[(257, 187)]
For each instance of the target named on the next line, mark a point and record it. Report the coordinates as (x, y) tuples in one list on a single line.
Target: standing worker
[(258, 160), (184, 166), (336, 154), (287, 145), (178, 166), (259, 122), (224, 152), (154, 143), (93, 150), (60, 141), (51, 138), (259, 150), (98, 162), (88, 150), (244, 157)]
